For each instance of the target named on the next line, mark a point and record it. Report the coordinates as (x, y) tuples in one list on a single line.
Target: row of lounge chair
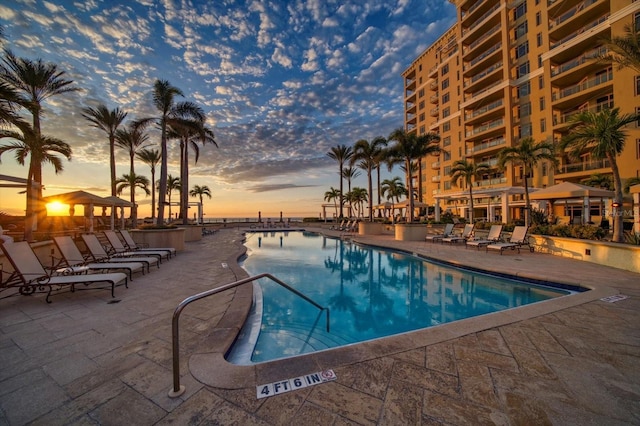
[(493, 241), (346, 226), (101, 264)]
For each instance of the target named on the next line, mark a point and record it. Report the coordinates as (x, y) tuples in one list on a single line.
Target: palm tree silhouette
[(199, 191), (465, 171), (132, 182), (367, 155), (341, 154), (151, 157)]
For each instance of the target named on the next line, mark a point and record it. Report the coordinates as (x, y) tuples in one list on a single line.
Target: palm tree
[(341, 154), (393, 189), (132, 139), (164, 95), (173, 183), (9, 99), (349, 173), (34, 82), (151, 157), (199, 191), (367, 154), (598, 180), (527, 154), (624, 51), (410, 147), (108, 121), (467, 172), (132, 182), (602, 134), (357, 197), (333, 195)]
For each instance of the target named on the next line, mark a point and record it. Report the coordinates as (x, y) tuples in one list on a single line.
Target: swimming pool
[(371, 293)]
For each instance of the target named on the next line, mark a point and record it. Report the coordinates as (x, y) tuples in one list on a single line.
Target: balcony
[(433, 85), (581, 92), (435, 165), (573, 18), (471, 24), (490, 144), (587, 167), (486, 127), (483, 112), (494, 52), (435, 99), (434, 112), (590, 56), (579, 31), (484, 38), (562, 120), (410, 84), (485, 95), (433, 71), (491, 182), (436, 178)]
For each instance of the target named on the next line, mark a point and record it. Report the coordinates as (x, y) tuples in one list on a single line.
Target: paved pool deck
[(84, 359)]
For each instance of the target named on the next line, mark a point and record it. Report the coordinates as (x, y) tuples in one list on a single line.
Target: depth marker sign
[(288, 385)]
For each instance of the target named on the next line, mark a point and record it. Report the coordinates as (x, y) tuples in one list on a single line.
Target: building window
[(444, 70), (446, 127), (524, 89), (447, 170), (422, 117), (524, 110), (521, 30), (636, 21), (522, 70), (542, 104), (543, 125), (447, 185), (638, 148), (446, 112), (421, 105), (539, 39), (545, 169), (445, 83), (445, 98), (638, 114), (520, 11), (422, 130), (446, 155), (522, 49), (446, 141), (539, 61), (525, 130), (637, 85), (538, 18), (541, 82), (420, 93)]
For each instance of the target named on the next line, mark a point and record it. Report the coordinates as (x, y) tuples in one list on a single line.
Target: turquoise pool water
[(371, 293)]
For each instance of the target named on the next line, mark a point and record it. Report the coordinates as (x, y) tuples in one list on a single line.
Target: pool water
[(370, 292)]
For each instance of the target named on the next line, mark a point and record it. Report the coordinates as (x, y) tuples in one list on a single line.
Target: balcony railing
[(584, 167), (435, 165), (483, 90), (436, 178), (580, 31), (480, 111), (489, 182), (475, 23), (476, 130), (488, 144), (586, 85), (481, 39), (571, 12), (566, 118), (472, 8), (484, 54), (483, 73), (592, 54)]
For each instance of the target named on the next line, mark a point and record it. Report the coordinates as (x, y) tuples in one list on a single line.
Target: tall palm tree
[(602, 134), (40, 150), (108, 121), (408, 148), (34, 82), (379, 160), (624, 51), (333, 195), (9, 99), (173, 184), (527, 153), (367, 155), (393, 189), (164, 99), (598, 180), (342, 154), (151, 157), (132, 139), (349, 174), (132, 182), (200, 191), (466, 171), (357, 197)]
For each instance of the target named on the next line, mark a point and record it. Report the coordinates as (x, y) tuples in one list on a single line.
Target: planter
[(370, 228), (411, 232), (159, 237), (192, 233)]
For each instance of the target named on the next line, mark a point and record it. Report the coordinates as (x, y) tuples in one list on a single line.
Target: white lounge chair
[(99, 254), (74, 262), (518, 239), (466, 234), (120, 250), (128, 240), (494, 236), (448, 228), (34, 277)]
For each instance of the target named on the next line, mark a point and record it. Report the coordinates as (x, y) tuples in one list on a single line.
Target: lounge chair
[(493, 237), (73, 262), (118, 249), (466, 234), (346, 227), (34, 277), (518, 239), (128, 240), (99, 254), (448, 229), (337, 227)]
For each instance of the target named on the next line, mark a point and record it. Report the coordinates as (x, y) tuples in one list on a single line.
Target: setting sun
[(57, 209)]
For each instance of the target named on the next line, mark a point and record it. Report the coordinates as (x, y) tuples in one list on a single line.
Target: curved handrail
[(178, 389)]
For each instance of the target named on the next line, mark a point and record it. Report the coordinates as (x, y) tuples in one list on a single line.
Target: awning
[(566, 190)]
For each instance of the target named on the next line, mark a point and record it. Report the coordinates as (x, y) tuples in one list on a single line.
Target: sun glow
[(57, 209)]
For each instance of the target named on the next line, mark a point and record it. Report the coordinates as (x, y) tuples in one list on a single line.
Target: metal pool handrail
[(178, 389)]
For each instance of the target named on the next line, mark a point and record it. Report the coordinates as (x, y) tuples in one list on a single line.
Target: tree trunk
[(162, 190), (410, 187), (184, 183), (527, 202), (112, 163), (618, 230), (369, 171)]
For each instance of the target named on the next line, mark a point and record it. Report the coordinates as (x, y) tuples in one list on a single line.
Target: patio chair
[(466, 234), (118, 249), (448, 229), (346, 227), (128, 240), (99, 254), (35, 278), (338, 226), (494, 236), (518, 239), (74, 262)]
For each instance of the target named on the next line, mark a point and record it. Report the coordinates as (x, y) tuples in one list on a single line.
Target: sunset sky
[(281, 83)]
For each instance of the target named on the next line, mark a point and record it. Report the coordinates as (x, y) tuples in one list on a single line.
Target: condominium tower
[(513, 69)]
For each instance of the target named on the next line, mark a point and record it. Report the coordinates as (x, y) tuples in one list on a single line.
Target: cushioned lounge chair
[(493, 237), (466, 234), (128, 240), (518, 239), (118, 249), (99, 254), (35, 278), (448, 229), (74, 262)]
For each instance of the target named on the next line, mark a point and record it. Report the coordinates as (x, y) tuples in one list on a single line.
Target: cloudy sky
[(281, 83)]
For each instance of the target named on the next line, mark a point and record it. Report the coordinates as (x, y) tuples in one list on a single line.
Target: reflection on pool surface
[(371, 293)]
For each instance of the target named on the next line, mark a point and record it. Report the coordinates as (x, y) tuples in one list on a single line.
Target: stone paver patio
[(86, 360)]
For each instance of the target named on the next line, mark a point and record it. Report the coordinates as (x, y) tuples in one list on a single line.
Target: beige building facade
[(513, 69)]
